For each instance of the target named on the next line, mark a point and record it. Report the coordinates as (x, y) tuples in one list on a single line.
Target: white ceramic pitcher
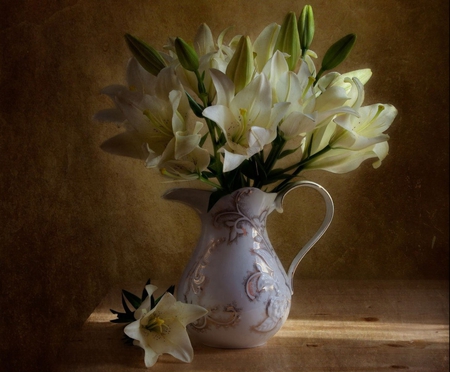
[(234, 271)]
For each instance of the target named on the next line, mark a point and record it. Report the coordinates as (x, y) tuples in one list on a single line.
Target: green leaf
[(187, 56), (215, 165), (338, 52), (122, 317), (203, 139), (134, 300), (125, 306), (147, 56), (195, 107), (222, 140), (233, 178), (119, 320), (171, 290), (277, 175), (215, 196), (260, 168), (152, 302), (208, 175), (287, 152), (253, 169), (277, 178)]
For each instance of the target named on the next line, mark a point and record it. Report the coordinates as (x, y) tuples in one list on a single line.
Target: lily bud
[(186, 55), (306, 28), (338, 52), (288, 40), (147, 57), (241, 66)]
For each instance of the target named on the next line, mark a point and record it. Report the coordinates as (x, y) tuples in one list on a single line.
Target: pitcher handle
[(325, 224)]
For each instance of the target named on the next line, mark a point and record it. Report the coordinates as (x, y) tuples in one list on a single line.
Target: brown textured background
[(74, 220)]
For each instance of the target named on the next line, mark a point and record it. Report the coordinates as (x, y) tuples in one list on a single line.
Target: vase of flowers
[(247, 118)]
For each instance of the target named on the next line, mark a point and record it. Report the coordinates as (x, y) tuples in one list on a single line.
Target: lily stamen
[(156, 324)]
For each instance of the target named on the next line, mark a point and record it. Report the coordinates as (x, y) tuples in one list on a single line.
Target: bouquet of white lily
[(246, 113)]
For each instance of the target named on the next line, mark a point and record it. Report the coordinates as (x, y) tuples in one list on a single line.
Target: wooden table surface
[(334, 326)]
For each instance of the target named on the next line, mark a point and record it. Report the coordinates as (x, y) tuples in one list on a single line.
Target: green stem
[(212, 127), (210, 183), (275, 151), (299, 168)]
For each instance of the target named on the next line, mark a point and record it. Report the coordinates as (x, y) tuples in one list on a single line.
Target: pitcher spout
[(195, 198)]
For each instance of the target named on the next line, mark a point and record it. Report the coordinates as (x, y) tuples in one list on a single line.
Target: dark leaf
[(171, 289), (122, 320), (287, 152), (222, 140), (125, 306), (134, 300), (196, 108), (338, 52), (203, 139), (147, 56), (152, 302), (214, 198), (208, 175)]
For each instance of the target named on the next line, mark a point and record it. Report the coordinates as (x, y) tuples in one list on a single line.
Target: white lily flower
[(139, 82), (305, 111), (352, 82), (297, 124), (361, 132), (276, 68), (327, 128), (186, 131), (355, 139), (295, 90), (186, 167), (343, 161), (147, 118), (247, 119), (335, 78), (211, 55), (162, 330)]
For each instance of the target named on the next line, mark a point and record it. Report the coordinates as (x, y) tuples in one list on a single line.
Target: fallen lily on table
[(159, 325)]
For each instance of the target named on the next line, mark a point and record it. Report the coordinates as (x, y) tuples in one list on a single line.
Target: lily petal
[(222, 115), (264, 45), (203, 41), (145, 305), (232, 161), (224, 87), (330, 99), (340, 160)]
